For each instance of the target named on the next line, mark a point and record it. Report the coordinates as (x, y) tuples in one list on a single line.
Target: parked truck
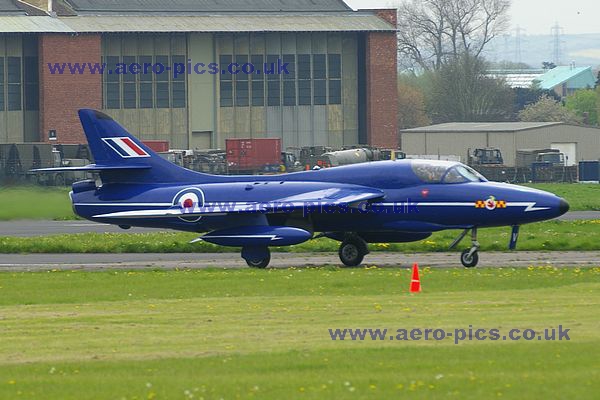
[(485, 156), (18, 159)]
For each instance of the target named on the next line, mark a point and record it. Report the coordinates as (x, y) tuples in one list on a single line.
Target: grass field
[(581, 197), (35, 202), (551, 235), (53, 203), (264, 334)]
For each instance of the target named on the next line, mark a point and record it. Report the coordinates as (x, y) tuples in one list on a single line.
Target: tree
[(461, 91), (527, 96), (548, 65), (411, 105), (584, 103), (433, 32), (546, 109)]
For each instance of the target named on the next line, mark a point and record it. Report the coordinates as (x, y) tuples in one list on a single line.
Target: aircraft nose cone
[(563, 206)]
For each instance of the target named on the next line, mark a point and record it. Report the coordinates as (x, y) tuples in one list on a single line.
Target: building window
[(162, 83), (274, 94), (303, 66), (2, 84), (320, 92), (335, 91), (273, 81), (258, 81), (146, 95), (145, 79), (319, 66), (162, 95), (226, 94), (242, 90), (178, 85), (335, 66), (304, 81), (242, 94), (179, 96), (312, 80), (258, 93), (320, 76), (271, 68), (334, 62), (289, 80), (31, 81), (304, 93), (14, 82), (289, 93), (112, 83), (226, 81), (129, 84)]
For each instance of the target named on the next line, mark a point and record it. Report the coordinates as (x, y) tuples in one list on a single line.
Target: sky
[(536, 17)]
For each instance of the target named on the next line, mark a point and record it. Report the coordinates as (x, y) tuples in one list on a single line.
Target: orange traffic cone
[(415, 283)]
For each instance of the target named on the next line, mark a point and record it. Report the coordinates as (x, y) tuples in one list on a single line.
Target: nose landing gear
[(469, 257), (353, 250)]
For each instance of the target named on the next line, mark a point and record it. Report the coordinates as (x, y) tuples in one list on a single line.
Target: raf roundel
[(189, 201)]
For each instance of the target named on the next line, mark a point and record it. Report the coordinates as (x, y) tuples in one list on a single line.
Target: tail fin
[(114, 150)]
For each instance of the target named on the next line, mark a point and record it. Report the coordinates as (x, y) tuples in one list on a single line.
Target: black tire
[(262, 263), (469, 261), (59, 180), (351, 253)]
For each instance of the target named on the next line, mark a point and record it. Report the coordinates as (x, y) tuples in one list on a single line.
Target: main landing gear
[(257, 257), (353, 250), (469, 257)]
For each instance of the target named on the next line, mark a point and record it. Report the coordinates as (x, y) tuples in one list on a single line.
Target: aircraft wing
[(332, 197), (94, 168), (337, 197)]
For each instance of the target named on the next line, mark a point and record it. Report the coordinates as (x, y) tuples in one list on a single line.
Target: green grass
[(35, 202), (581, 197), (264, 334), (551, 235), (53, 203)]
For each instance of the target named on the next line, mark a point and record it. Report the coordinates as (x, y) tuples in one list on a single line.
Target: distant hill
[(584, 50)]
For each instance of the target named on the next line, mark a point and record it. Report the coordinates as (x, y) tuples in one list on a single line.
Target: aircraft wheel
[(59, 180), (469, 261), (352, 252), (259, 263)]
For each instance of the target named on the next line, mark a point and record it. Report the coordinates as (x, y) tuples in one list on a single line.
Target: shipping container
[(158, 146), (253, 155), (589, 171)]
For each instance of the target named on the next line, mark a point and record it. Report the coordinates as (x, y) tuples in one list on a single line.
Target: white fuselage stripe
[(125, 204)]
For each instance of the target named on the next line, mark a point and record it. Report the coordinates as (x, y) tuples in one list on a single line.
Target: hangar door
[(570, 151)]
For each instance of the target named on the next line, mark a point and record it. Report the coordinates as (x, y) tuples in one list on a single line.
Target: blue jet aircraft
[(378, 202)]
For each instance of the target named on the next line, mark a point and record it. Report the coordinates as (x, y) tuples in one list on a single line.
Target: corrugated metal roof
[(25, 24), (521, 80), (8, 6), (559, 75), (346, 22), (116, 6), (454, 127)]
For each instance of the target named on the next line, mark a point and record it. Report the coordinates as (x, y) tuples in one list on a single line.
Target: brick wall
[(62, 95), (382, 77)]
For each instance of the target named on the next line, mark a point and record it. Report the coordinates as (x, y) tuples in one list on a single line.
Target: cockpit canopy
[(445, 172)]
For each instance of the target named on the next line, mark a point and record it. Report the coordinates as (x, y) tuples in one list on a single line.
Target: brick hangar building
[(341, 89)]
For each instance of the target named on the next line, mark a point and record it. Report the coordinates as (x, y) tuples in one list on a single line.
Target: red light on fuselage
[(188, 203)]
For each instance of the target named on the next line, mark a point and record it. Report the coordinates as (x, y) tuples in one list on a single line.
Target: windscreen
[(448, 173)]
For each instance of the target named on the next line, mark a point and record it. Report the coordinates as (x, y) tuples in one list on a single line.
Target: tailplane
[(122, 158)]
